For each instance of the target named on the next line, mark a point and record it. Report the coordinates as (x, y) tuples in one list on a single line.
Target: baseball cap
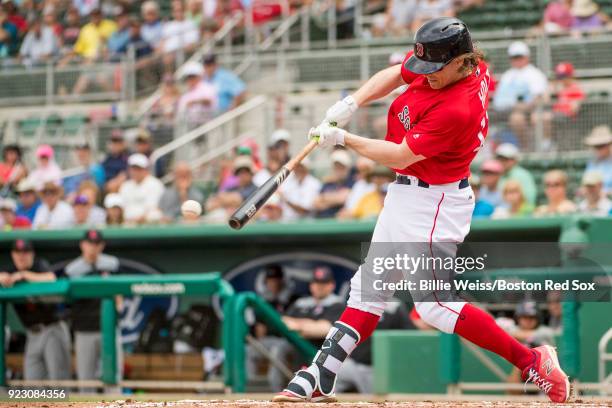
[(113, 200), (323, 274), (8, 204), (492, 166), (44, 151), (26, 185), (94, 236), (526, 309), (342, 157), (518, 49), (138, 160), (274, 271), (280, 135), (592, 178), (564, 70), (23, 245), (209, 59), (600, 136), (143, 136), (584, 8), (507, 151), (243, 162), (192, 68)]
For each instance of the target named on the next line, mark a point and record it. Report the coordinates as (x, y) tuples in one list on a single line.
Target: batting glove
[(340, 113), (327, 135)]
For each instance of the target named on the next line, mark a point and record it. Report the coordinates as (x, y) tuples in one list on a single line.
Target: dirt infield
[(265, 404)]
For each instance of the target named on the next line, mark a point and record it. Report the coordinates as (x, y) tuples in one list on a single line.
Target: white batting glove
[(340, 113), (327, 135)]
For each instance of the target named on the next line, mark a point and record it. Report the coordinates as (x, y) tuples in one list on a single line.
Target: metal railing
[(214, 138)]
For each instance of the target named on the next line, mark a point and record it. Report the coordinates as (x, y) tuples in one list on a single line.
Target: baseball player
[(434, 131)]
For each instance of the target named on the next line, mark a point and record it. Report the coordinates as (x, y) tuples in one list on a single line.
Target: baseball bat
[(255, 201)]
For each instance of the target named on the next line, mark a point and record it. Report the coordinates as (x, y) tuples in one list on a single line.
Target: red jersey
[(448, 126)]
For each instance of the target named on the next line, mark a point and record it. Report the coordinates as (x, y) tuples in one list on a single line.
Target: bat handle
[(295, 160)]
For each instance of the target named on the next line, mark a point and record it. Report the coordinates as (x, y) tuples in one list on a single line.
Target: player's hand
[(340, 113), (327, 135)]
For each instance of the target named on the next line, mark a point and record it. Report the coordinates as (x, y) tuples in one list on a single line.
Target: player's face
[(320, 290), (23, 260), (449, 74)]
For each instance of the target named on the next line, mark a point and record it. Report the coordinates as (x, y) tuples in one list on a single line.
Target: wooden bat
[(255, 201)]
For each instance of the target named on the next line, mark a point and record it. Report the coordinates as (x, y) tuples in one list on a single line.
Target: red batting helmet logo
[(419, 49)]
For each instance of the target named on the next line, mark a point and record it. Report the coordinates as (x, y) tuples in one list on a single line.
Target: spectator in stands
[(87, 214), (15, 17), (39, 45), (47, 347), (28, 200), (135, 41), (555, 312), (12, 171), (482, 208), (71, 31), (508, 156), (46, 168), (278, 291), (54, 213), (151, 30), (361, 187), (86, 312), (93, 36), (337, 188), (89, 170), (278, 148), (600, 141), (490, 191), (587, 16), (357, 375), (595, 201), (370, 205), (115, 163), (10, 220), (223, 203), (558, 17), (144, 145), (429, 9), (9, 37), (555, 188), (117, 42), (514, 202), (520, 89), (181, 190), (49, 19), (141, 193), (397, 19), (194, 11), (272, 166), (272, 210), (166, 105), (200, 101), (90, 190), (231, 89), (178, 33), (311, 317), (298, 192), (113, 203), (568, 91)]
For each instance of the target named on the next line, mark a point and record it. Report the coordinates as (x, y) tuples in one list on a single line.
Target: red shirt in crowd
[(568, 98)]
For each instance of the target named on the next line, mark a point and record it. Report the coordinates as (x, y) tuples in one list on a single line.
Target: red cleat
[(547, 375)]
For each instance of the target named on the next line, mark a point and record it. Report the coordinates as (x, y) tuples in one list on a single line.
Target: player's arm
[(379, 86), (397, 156)]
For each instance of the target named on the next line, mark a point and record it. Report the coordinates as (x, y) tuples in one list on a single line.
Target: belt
[(408, 180)]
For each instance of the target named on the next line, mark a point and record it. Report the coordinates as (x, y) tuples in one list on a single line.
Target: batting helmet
[(437, 42)]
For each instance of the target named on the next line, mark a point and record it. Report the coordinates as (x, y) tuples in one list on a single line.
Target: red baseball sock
[(480, 328), (363, 322)]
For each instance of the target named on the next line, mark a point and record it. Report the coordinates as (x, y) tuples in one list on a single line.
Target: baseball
[(191, 208)]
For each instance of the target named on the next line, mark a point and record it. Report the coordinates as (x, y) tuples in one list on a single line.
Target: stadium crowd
[(123, 189)]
